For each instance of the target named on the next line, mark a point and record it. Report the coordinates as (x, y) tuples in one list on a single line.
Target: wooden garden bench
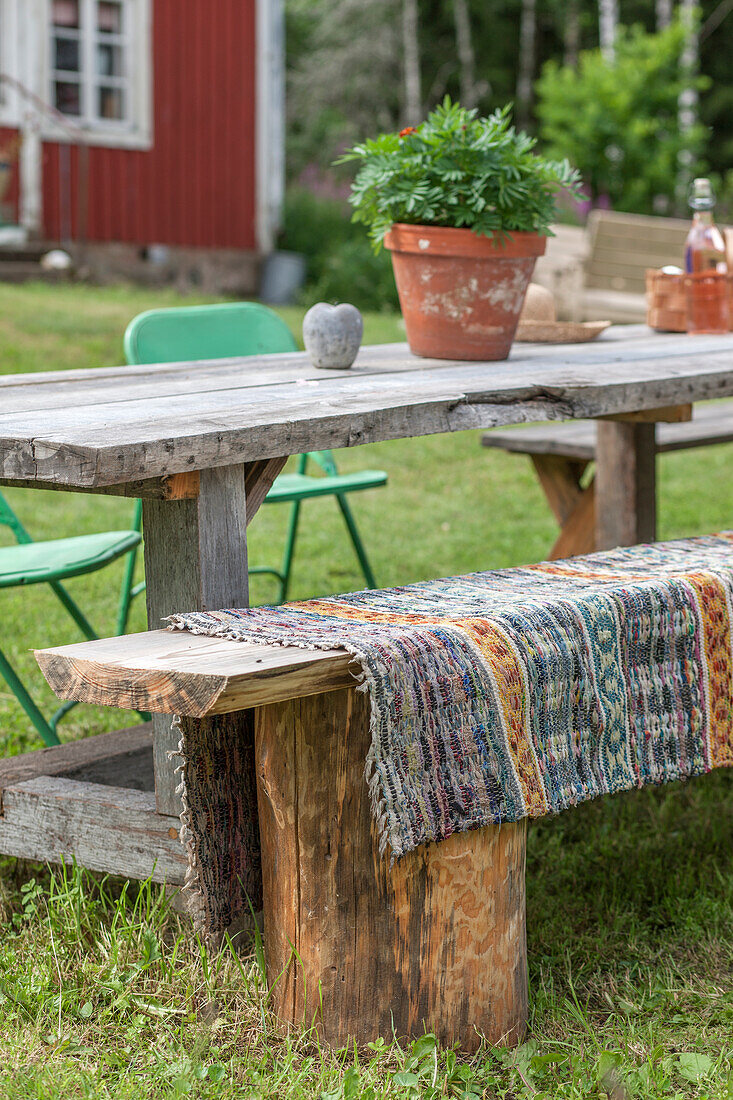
[(561, 453), (359, 947), (620, 249), (275, 740), (600, 274)]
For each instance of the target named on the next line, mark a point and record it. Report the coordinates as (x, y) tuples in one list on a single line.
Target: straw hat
[(537, 322)]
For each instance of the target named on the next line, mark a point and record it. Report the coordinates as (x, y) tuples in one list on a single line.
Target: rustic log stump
[(354, 947)]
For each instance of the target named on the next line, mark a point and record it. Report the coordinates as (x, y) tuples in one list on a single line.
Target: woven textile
[(219, 819), (524, 691)]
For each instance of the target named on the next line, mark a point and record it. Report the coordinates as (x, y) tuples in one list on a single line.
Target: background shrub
[(341, 264)]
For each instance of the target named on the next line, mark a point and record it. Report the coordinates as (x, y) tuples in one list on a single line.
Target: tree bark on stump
[(355, 947)]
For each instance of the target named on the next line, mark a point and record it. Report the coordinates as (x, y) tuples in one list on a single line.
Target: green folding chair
[(51, 562), (248, 328)]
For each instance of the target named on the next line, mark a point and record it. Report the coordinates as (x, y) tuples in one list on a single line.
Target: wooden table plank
[(90, 386), (95, 428), (175, 672), (109, 393)]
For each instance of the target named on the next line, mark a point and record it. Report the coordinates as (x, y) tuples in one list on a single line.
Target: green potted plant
[(465, 206)]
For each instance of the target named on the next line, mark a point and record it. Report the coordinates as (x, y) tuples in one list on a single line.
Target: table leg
[(195, 559), (626, 509)]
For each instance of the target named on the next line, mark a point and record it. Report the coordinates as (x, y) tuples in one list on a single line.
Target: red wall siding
[(196, 186)]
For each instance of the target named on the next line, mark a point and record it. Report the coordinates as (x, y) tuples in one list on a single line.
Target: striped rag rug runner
[(521, 692)]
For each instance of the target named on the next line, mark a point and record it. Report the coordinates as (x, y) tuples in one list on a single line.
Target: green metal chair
[(51, 562), (248, 328)]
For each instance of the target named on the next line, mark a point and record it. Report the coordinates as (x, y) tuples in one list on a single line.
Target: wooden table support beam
[(259, 477), (171, 487), (572, 503), (195, 557), (626, 499), (671, 414)]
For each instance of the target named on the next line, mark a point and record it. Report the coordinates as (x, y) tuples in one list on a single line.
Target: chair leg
[(127, 593), (88, 630), (75, 611), (356, 540), (47, 729), (289, 550), (10, 676)]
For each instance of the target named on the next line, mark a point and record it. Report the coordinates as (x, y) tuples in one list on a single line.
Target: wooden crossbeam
[(670, 414), (259, 477), (172, 487), (574, 506), (91, 800)]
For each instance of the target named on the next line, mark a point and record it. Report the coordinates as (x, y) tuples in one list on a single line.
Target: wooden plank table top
[(95, 428)]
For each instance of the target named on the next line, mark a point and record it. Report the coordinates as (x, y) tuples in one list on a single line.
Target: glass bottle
[(705, 265)]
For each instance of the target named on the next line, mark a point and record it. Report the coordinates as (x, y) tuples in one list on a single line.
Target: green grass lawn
[(104, 993)]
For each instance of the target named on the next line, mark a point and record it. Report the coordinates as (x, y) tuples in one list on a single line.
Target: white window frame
[(10, 106), (135, 132)]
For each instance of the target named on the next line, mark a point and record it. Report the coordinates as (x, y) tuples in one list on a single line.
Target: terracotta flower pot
[(461, 294)]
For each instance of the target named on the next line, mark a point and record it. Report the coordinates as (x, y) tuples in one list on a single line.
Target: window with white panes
[(91, 51), (9, 112)]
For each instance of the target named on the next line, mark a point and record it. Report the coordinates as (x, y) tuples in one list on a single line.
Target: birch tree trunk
[(664, 14), (607, 27), (571, 34), (525, 66), (411, 62), (688, 100), (469, 90)]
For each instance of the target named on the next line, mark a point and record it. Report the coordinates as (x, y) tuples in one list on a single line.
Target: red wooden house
[(145, 123)]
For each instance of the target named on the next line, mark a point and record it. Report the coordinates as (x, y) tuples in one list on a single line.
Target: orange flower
[(408, 130)]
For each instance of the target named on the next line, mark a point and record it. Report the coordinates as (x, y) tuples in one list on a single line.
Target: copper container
[(666, 301)]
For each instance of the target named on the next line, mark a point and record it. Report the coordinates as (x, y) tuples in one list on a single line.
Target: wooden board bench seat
[(175, 672), (711, 423), (561, 453), (354, 946)]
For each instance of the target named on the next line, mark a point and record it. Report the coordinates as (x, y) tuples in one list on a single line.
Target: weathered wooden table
[(201, 443)]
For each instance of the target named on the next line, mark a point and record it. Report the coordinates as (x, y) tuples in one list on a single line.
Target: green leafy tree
[(616, 120)]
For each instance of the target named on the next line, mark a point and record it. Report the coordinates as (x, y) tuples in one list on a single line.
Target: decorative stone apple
[(332, 335)]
